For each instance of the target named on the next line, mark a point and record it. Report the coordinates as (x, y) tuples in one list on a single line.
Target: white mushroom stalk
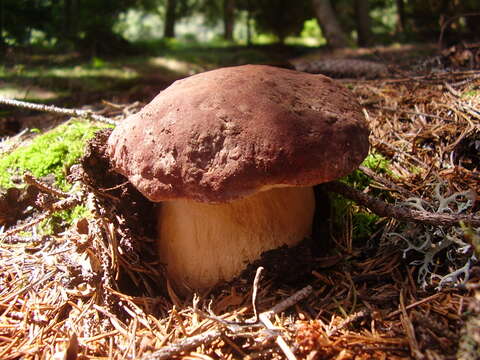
[(204, 244)]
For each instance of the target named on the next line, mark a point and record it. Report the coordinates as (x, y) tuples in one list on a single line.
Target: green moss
[(59, 220), (364, 223), (49, 153), (374, 161)]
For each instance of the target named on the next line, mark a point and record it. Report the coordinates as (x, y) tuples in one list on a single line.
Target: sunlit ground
[(29, 81), (17, 91), (49, 77)]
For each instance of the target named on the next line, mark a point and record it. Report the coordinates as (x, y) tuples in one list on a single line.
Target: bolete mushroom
[(232, 155)]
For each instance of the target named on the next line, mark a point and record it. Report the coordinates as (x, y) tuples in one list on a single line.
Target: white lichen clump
[(445, 255)]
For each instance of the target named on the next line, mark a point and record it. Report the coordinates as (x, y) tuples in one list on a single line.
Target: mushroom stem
[(203, 244)]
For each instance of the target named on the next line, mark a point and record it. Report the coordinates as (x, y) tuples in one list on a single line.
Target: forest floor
[(395, 290)]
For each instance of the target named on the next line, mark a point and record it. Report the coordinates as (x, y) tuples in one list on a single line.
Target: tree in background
[(278, 17), (228, 19), (331, 28), (173, 11), (219, 10), (88, 25), (70, 19), (400, 24), (363, 23), (424, 20), (81, 24), (93, 25), (19, 18), (170, 18)]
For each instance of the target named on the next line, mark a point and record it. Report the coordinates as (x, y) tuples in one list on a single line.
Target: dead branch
[(265, 320), (31, 180), (86, 114), (209, 336), (385, 182), (418, 113), (64, 204), (402, 213), (185, 345), (362, 314), (26, 288)]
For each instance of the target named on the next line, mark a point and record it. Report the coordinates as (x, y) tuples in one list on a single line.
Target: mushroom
[(232, 156)]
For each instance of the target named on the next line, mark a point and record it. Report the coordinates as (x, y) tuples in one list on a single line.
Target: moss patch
[(364, 222), (374, 161), (49, 153)]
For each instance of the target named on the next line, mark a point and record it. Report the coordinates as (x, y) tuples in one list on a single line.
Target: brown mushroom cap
[(226, 133)]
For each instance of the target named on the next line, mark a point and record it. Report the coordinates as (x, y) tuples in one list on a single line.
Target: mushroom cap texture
[(227, 133)]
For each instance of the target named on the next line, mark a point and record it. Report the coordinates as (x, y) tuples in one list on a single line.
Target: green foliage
[(18, 18), (59, 220), (49, 153), (384, 21), (84, 24), (146, 23), (364, 222), (374, 161), (101, 26), (311, 29), (98, 63), (377, 162)]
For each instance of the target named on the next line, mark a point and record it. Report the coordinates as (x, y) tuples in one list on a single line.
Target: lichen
[(445, 256)]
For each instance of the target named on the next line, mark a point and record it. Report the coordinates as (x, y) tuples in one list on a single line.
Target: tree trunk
[(2, 41), (70, 20), (67, 19), (363, 23), (170, 15), (228, 19), (400, 26), (249, 23), (329, 24)]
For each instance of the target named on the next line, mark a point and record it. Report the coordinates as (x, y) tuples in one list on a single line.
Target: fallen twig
[(409, 330), (29, 179), (256, 281), (385, 182), (86, 114), (362, 314), (64, 204), (209, 336), (264, 318), (411, 112), (402, 213)]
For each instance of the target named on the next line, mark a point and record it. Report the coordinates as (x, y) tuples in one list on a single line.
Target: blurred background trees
[(110, 26)]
